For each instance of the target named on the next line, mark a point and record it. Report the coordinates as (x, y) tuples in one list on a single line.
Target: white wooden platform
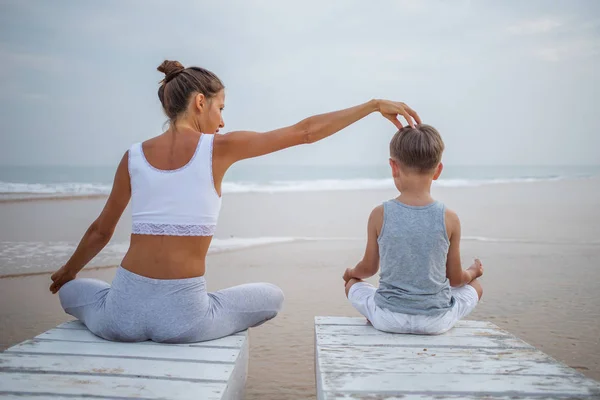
[(69, 362), (474, 360)]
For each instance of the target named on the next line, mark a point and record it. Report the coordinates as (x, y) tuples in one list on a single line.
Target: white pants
[(361, 295)]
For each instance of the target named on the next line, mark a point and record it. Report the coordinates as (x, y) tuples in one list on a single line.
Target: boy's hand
[(347, 274), (476, 269)]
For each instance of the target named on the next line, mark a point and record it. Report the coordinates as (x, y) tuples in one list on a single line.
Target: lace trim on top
[(148, 228)]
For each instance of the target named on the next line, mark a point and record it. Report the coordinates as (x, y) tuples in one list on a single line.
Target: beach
[(539, 243)]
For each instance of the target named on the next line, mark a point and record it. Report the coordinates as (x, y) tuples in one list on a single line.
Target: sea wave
[(484, 239), (15, 191), (37, 257), (24, 258)]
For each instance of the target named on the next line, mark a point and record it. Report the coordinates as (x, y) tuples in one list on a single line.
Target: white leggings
[(136, 308)]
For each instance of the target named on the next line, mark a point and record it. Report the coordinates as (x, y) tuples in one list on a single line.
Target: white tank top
[(178, 202)]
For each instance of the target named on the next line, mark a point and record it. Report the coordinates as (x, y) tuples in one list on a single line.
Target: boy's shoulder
[(376, 219), (450, 213), (378, 209), (377, 213), (452, 220)]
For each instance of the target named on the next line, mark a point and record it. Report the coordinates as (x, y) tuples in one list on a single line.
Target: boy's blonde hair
[(419, 148)]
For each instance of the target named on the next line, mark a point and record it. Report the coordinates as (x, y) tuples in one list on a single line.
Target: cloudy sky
[(506, 82)]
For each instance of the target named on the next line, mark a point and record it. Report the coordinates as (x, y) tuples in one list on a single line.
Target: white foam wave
[(530, 241), (490, 239), (360, 184), (481, 182), (10, 190), (33, 257), (221, 245), (307, 186), (26, 190), (30, 257)]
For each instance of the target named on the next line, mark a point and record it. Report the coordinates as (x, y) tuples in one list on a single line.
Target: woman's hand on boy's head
[(391, 110)]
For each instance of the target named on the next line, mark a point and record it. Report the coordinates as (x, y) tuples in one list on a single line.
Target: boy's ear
[(395, 169), (438, 171)]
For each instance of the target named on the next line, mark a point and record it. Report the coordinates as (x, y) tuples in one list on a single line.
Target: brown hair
[(181, 83), (419, 148)]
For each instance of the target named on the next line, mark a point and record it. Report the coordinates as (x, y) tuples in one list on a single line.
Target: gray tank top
[(413, 248)]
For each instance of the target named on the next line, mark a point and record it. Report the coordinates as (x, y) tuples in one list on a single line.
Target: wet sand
[(542, 260)]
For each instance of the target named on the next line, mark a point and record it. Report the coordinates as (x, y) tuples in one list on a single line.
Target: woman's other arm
[(100, 231)]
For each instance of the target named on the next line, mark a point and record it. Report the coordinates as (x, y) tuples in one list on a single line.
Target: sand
[(539, 242)]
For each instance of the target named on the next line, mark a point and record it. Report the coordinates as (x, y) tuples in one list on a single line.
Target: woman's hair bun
[(169, 67)]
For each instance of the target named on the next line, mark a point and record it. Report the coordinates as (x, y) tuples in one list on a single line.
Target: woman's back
[(174, 205)]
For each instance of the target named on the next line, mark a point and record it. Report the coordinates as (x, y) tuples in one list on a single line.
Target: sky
[(505, 82)]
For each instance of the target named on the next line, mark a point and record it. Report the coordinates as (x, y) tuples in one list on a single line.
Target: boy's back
[(413, 247), (415, 241)]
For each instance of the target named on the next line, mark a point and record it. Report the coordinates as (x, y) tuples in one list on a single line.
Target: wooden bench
[(70, 362), (474, 360)]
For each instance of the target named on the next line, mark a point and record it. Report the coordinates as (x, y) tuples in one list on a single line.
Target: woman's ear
[(200, 102), (438, 171)]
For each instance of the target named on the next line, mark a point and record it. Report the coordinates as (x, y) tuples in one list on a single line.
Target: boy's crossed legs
[(361, 294)]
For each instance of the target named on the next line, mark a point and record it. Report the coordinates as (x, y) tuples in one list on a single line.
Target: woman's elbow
[(307, 132), (100, 234)]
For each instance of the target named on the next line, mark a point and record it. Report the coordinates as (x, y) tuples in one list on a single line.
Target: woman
[(174, 182)]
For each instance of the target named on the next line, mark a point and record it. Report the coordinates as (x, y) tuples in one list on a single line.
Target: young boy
[(416, 242)]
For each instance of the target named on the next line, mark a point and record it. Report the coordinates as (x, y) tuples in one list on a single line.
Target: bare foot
[(477, 268)]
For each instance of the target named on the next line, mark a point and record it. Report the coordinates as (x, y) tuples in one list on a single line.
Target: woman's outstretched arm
[(100, 231), (240, 145)]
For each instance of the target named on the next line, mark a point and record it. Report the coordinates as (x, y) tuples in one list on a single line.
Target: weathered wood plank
[(72, 325), (360, 330), (110, 387), (372, 359), (5, 396), (70, 362), (477, 360), (129, 350), (236, 386), (320, 320), (429, 396), (84, 335), (391, 339), (457, 383), (16, 362), (75, 324)]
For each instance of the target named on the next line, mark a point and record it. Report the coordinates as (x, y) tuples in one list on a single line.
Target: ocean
[(44, 249), (23, 182)]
